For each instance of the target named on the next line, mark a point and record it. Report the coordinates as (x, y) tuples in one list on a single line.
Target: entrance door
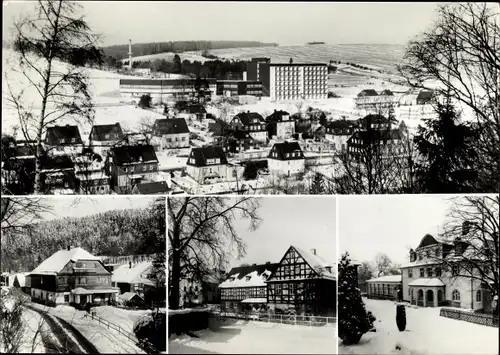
[(83, 299), (430, 298)]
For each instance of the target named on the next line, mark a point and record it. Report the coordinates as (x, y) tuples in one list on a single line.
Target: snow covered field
[(426, 333), (247, 337)]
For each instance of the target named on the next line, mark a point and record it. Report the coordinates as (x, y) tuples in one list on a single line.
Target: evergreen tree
[(177, 65), (145, 101), (446, 146), (317, 186), (354, 320)]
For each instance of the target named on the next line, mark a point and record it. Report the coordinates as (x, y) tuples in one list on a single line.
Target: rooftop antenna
[(130, 55)]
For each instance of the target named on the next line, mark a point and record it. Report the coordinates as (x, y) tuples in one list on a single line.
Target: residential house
[(209, 165), (251, 122), (338, 132), (301, 283), (60, 136), (370, 101), (20, 282), (57, 174), (91, 177), (374, 121), (286, 158), (131, 299), (173, 133), (376, 143), (237, 141), (130, 165), (193, 112), (102, 137), (133, 277), (280, 126), (416, 106), (427, 282), (384, 287), (151, 188), (71, 276)]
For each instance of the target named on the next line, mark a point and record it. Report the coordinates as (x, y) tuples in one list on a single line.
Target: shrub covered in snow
[(401, 317), (187, 320), (354, 320), (152, 328)]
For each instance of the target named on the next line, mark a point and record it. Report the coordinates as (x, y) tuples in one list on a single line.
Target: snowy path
[(247, 337), (426, 333)]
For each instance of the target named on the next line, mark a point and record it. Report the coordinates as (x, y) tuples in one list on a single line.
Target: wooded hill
[(116, 232), (121, 51)]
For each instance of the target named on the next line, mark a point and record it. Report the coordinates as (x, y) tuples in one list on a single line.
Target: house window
[(438, 272), (144, 167), (73, 140), (66, 298), (455, 295), (83, 280), (429, 272), (436, 252), (151, 167), (419, 256), (410, 273), (422, 272), (478, 296), (455, 269)]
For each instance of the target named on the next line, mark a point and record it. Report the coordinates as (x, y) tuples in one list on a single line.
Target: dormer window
[(247, 278)]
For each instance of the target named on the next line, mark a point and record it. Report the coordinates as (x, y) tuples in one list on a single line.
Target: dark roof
[(149, 188), (201, 155), (368, 92), (286, 147), (57, 162), (277, 115), (387, 92), (427, 240), (374, 118), (170, 126), (133, 154), (242, 271), (99, 132), (162, 82), (195, 109), (339, 124), (424, 96), (377, 135), (241, 134), (246, 117), (54, 134)]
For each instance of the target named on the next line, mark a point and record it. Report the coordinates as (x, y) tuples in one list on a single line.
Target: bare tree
[(461, 54), (473, 228), (44, 40), (21, 213), (383, 264), (365, 273), (202, 235)]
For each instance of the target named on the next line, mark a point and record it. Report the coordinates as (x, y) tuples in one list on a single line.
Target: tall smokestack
[(130, 55)]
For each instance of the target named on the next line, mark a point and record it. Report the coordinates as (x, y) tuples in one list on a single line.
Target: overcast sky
[(70, 206), (303, 221), (388, 224), (281, 22)]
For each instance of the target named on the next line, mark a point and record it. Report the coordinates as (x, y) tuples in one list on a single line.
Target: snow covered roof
[(127, 296), (317, 263), (59, 259), (21, 278), (254, 300), (422, 262), (426, 282), (249, 276), (388, 278), (126, 274)]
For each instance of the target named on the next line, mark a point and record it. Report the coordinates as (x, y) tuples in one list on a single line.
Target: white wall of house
[(179, 140), (215, 173), (260, 136), (339, 142), (285, 129), (286, 167)]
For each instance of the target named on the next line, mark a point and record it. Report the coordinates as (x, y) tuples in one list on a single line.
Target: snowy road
[(247, 337), (426, 333)]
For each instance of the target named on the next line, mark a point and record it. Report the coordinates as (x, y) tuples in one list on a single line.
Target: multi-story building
[(131, 165), (160, 90), (231, 88), (290, 81), (253, 68), (209, 165), (280, 126), (103, 137), (433, 277), (91, 176), (416, 106), (172, 133), (376, 143), (133, 277), (301, 283), (251, 122), (63, 140), (72, 276), (58, 174), (286, 158), (338, 132), (369, 100)]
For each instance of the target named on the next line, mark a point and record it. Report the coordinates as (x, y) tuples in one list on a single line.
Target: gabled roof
[(388, 278), (317, 263), (387, 92), (368, 92), (127, 296), (277, 115), (377, 135), (54, 134), (125, 274), (424, 96), (201, 155), (249, 276), (170, 126), (99, 132), (340, 124), (284, 148), (156, 187), (56, 262), (374, 119), (246, 118), (57, 162), (21, 278), (133, 154), (427, 240)]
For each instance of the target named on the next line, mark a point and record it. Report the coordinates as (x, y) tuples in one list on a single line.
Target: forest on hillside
[(113, 233), (138, 49)]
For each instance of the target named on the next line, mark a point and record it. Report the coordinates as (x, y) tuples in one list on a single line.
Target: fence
[(141, 343), (281, 318), (478, 318)]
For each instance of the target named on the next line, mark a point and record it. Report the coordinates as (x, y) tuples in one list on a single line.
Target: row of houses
[(76, 277), (425, 282)]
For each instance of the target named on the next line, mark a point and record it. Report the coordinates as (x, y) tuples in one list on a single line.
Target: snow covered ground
[(426, 333), (248, 337), (125, 318)]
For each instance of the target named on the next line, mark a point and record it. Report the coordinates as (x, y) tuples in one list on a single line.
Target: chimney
[(130, 265), (130, 54), (313, 251)]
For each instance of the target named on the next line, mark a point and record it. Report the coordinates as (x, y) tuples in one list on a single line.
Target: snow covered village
[(83, 275), (252, 275), (432, 289)]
